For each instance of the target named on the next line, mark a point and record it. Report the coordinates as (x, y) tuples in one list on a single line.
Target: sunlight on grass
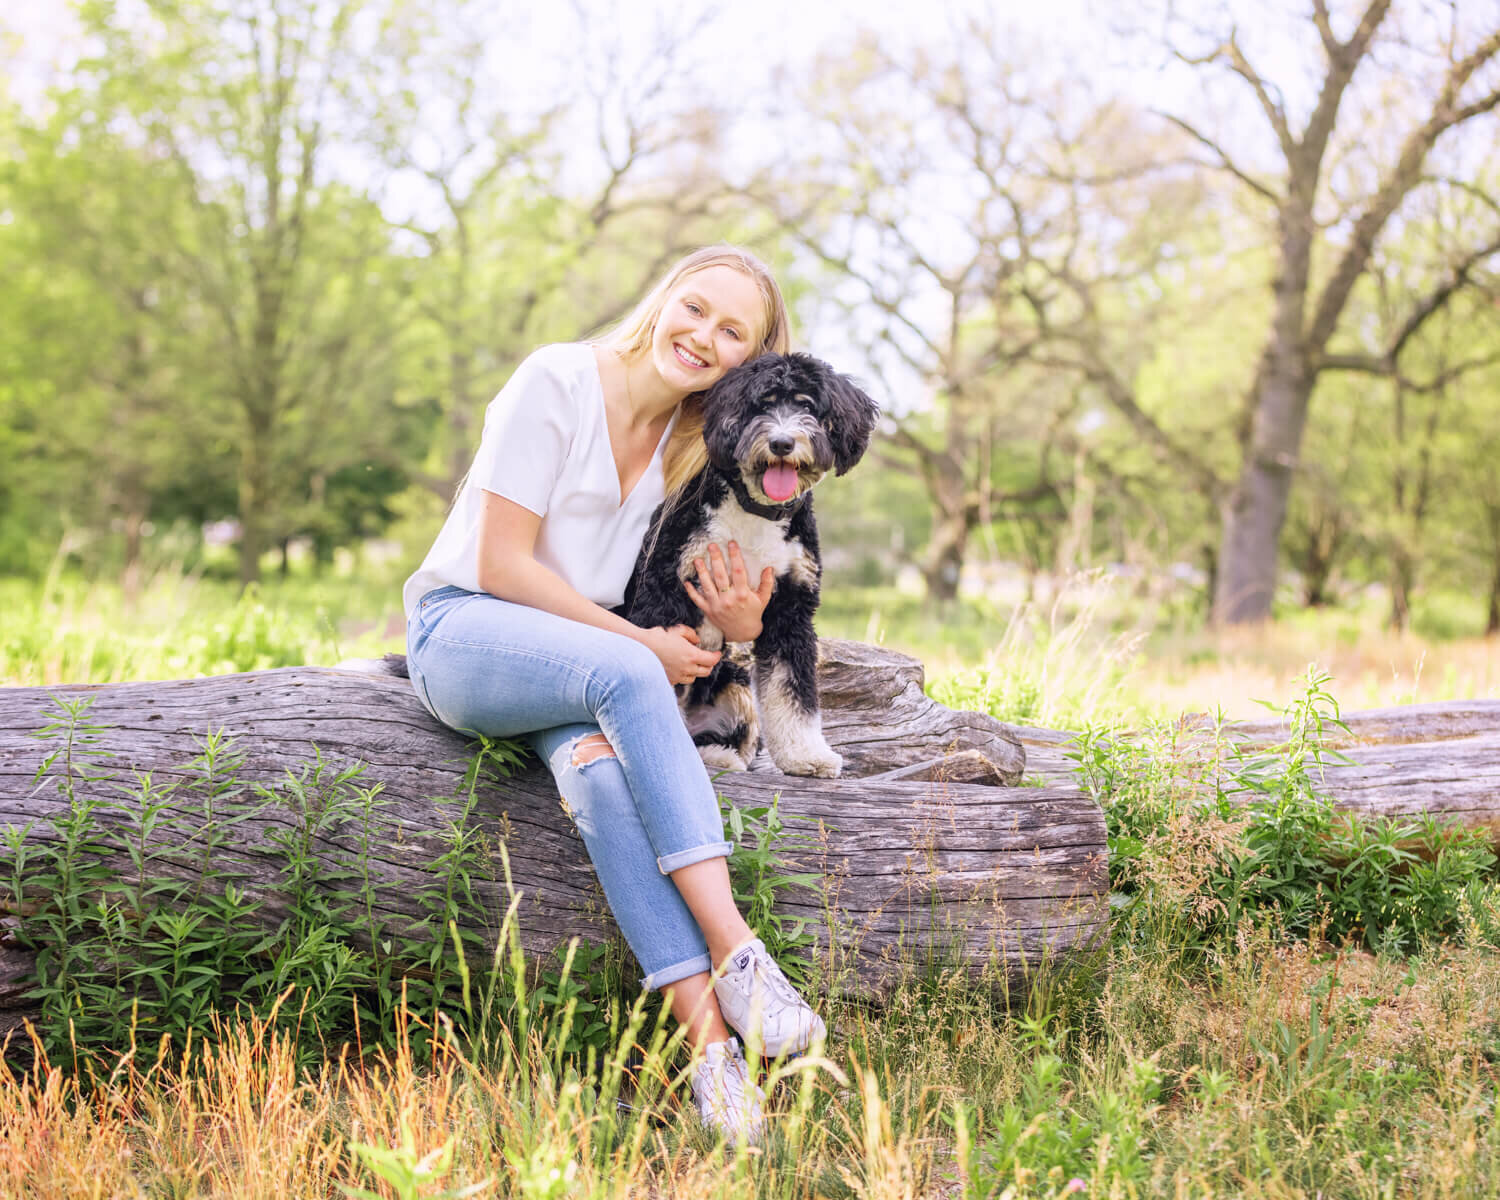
[(1093, 654), (1282, 1070), (71, 631)]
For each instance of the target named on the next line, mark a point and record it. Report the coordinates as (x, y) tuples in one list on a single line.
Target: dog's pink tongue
[(780, 483)]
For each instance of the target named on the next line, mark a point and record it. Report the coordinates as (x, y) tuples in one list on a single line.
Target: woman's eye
[(732, 332), (693, 308)]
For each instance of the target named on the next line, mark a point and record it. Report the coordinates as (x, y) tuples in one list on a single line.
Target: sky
[(787, 31), (734, 50)]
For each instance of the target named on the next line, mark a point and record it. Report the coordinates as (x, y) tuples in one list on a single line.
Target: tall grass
[(1249, 1028), (1281, 1069)]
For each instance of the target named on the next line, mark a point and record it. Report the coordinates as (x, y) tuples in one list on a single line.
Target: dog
[(773, 427)]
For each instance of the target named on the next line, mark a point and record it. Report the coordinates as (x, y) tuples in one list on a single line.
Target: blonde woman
[(509, 633)]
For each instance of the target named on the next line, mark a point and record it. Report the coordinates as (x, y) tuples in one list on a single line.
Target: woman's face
[(712, 321)]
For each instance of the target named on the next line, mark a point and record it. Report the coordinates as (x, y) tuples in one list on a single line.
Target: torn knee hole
[(589, 749)]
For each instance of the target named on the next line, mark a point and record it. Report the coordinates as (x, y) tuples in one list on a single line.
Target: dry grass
[(1372, 668), (1395, 1101), (1286, 1068)]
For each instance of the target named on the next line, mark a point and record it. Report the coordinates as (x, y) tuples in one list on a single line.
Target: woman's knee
[(636, 674), (590, 748), (593, 786)]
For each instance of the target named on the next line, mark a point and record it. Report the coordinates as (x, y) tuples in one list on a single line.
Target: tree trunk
[(1317, 554), (130, 575), (1403, 571), (1492, 622), (254, 495), (916, 868), (1256, 511), (943, 563)]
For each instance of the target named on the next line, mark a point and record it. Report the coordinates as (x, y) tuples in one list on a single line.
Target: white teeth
[(690, 358)]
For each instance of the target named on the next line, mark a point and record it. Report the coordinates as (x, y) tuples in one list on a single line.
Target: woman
[(509, 633)]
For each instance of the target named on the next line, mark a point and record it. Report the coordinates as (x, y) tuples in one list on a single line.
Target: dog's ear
[(730, 402), (851, 418)]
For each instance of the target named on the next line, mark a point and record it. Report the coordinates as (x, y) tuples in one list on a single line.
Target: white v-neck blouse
[(546, 446)]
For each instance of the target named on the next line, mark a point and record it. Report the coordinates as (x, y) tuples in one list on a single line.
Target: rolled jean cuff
[(686, 858), (699, 964)]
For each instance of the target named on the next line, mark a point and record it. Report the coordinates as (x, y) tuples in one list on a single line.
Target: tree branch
[(1388, 197), (1225, 162), (1275, 114)]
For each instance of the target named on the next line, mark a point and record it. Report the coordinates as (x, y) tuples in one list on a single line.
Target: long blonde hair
[(686, 454)]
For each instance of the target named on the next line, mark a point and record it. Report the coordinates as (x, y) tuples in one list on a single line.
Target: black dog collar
[(771, 512)]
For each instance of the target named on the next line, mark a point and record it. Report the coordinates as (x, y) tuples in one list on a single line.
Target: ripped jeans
[(484, 665)]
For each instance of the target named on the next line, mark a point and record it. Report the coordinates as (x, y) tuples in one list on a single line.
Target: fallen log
[(1439, 760), (930, 866)]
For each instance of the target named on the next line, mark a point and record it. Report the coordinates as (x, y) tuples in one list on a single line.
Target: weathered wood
[(1440, 759), (962, 766), (912, 868), (1405, 725), (876, 714)]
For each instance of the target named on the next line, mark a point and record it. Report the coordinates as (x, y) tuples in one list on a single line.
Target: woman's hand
[(678, 650), (726, 597)]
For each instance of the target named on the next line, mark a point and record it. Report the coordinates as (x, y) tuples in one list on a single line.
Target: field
[(1285, 1006)]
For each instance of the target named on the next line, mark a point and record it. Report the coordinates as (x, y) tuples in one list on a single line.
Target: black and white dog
[(773, 428)]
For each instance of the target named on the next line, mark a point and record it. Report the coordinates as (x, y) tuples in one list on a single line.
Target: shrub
[(1204, 832)]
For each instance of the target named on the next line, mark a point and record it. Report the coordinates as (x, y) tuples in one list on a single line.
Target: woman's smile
[(711, 321)]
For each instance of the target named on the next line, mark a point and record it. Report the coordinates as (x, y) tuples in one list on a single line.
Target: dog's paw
[(820, 761), (722, 758)]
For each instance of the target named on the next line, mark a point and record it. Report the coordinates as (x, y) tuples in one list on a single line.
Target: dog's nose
[(781, 446)]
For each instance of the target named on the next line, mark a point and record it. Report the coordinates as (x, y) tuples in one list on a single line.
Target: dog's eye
[(816, 403)]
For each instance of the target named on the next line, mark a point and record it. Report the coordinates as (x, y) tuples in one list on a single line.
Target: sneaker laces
[(764, 968)]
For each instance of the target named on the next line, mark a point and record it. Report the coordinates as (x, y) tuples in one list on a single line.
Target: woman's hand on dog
[(725, 596), (678, 650)]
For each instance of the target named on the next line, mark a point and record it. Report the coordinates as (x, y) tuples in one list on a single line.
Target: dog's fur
[(778, 410)]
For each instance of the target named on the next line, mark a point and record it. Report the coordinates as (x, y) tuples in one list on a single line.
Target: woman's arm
[(508, 569)]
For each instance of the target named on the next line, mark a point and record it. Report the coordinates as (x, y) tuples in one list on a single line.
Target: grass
[(1091, 656), (1096, 655), (1247, 1030), (1277, 1069), (68, 630)]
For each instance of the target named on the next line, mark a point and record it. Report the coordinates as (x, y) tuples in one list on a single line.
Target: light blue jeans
[(483, 665)]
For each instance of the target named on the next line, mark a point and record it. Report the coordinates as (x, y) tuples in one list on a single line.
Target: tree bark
[(1256, 509), (916, 869), (1492, 621), (1440, 760), (943, 564)]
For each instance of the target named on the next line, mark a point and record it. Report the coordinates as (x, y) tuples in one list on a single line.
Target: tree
[(102, 383), (239, 101), (1336, 188), (529, 221), (983, 233)]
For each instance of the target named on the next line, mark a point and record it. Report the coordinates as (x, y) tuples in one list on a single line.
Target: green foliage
[(1041, 1144), (146, 923), (1284, 851), (758, 874), (145, 927), (67, 630)]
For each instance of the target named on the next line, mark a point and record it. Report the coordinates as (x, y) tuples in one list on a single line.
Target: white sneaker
[(729, 1102), (756, 998)]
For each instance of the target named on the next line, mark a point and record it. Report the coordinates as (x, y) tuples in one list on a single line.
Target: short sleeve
[(528, 432)]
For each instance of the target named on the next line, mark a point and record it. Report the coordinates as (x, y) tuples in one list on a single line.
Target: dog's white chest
[(763, 544)]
